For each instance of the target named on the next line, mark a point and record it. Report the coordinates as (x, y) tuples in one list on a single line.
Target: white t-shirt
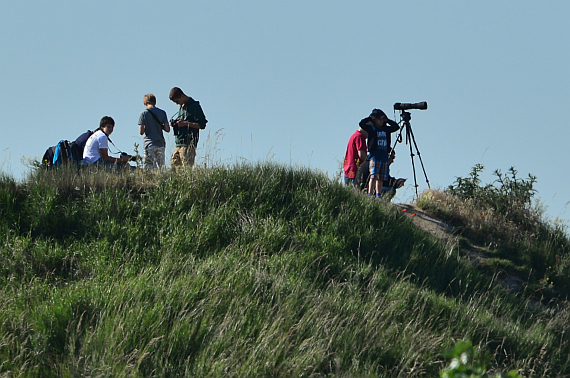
[(95, 142)]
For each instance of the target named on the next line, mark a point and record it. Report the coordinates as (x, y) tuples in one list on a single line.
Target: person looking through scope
[(379, 129)]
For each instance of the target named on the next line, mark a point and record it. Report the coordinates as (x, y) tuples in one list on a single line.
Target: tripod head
[(402, 107), (406, 116)]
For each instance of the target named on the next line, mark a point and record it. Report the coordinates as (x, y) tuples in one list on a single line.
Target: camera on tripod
[(406, 128), (405, 106)]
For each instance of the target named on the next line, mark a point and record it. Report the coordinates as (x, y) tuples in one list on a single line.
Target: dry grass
[(479, 220)]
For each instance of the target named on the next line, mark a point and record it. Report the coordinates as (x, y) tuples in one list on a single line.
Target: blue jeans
[(101, 163)]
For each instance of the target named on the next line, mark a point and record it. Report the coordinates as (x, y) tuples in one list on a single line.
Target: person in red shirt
[(355, 155)]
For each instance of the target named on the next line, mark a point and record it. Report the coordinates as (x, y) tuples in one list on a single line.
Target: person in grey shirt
[(152, 121)]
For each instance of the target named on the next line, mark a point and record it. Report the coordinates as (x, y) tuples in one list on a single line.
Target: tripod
[(407, 128)]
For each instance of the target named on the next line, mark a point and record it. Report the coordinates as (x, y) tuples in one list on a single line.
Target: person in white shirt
[(97, 147)]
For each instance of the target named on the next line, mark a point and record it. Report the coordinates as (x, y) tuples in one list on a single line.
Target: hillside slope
[(244, 271)]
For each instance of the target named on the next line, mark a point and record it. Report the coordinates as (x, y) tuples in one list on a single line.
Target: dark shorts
[(379, 169)]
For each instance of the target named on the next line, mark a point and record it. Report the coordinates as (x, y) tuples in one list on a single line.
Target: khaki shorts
[(183, 156)]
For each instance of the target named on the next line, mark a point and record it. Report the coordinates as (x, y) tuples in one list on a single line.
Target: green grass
[(243, 271)]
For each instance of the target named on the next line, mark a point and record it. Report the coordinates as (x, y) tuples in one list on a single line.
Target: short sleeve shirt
[(153, 136), (356, 143), (95, 142)]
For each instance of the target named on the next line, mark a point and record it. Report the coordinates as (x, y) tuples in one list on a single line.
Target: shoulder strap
[(155, 118)]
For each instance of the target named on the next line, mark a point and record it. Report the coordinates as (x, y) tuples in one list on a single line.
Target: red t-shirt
[(357, 142)]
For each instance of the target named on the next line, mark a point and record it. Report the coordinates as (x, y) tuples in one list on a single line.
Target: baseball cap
[(377, 113)]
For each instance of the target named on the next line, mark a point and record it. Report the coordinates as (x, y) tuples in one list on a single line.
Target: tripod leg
[(408, 135), (419, 156)]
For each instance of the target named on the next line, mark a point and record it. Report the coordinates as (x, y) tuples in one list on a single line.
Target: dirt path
[(443, 231), (426, 222)]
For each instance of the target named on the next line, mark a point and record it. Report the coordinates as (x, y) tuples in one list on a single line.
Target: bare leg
[(378, 187), (372, 185)]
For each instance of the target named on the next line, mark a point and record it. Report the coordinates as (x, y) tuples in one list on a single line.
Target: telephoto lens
[(406, 106)]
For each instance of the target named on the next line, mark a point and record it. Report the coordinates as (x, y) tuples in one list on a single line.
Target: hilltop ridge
[(249, 270)]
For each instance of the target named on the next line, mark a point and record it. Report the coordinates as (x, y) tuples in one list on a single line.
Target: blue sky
[(289, 81)]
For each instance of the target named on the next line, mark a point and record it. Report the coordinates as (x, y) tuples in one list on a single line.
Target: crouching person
[(390, 184), (97, 147)]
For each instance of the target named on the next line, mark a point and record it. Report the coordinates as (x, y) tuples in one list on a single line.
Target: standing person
[(191, 120), (152, 122), (355, 155), (379, 128), (97, 146)]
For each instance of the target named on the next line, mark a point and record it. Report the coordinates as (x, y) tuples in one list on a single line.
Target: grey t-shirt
[(153, 130)]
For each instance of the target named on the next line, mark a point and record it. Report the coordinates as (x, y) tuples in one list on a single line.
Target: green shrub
[(467, 363)]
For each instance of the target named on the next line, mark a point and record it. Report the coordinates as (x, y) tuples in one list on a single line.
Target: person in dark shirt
[(191, 120), (379, 129)]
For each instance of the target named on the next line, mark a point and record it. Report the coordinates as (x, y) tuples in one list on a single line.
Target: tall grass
[(246, 270)]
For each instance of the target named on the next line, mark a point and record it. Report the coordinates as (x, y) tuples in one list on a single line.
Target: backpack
[(65, 152), (78, 145), (47, 159)]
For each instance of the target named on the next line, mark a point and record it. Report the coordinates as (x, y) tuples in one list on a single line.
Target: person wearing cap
[(355, 155), (191, 120), (379, 129)]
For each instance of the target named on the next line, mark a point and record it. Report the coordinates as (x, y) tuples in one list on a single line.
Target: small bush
[(467, 363)]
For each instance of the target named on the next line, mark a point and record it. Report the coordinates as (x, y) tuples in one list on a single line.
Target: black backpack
[(78, 145)]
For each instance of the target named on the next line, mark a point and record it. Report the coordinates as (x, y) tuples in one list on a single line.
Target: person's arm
[(142, 118), (196, 114), (362, 156), (105, 157), (193, 125), (361, 148), (392, 126), (166, 127)]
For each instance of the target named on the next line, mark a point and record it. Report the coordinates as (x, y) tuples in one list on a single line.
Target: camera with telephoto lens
[(406, 106)]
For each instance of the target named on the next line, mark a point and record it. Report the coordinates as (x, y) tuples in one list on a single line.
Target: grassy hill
[(266, 271)]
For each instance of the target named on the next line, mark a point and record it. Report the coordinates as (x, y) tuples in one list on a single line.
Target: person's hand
[(124, 159)]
